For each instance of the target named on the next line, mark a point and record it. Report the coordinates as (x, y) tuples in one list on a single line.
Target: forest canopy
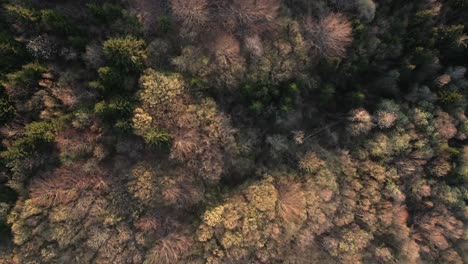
[(233, 131)]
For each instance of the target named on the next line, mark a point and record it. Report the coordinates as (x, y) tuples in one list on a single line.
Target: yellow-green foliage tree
[(262, 219), (128, 52), (201, 135)]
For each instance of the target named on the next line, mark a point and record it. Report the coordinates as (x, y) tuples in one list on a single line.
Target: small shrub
[(155, 138), (36, 135), (7, 111), (450, 97), (272, 97), (106, 13), (26, 15), (11, 52), (110, 79), (19, 84), (116, 108), (57, 22)]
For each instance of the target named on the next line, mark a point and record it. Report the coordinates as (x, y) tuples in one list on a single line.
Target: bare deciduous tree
[(331, 35), (226, 49), (230, 65), (192, 13), (291, 203), (65, 185), (170, 249), (184, 145), (360, 122), (444, 124), (247, 13), (254, 45), (148, 223)]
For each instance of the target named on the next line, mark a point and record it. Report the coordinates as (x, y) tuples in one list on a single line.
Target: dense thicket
[(233, 131)]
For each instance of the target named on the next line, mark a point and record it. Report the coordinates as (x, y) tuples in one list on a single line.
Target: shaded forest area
[(233, 131)]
